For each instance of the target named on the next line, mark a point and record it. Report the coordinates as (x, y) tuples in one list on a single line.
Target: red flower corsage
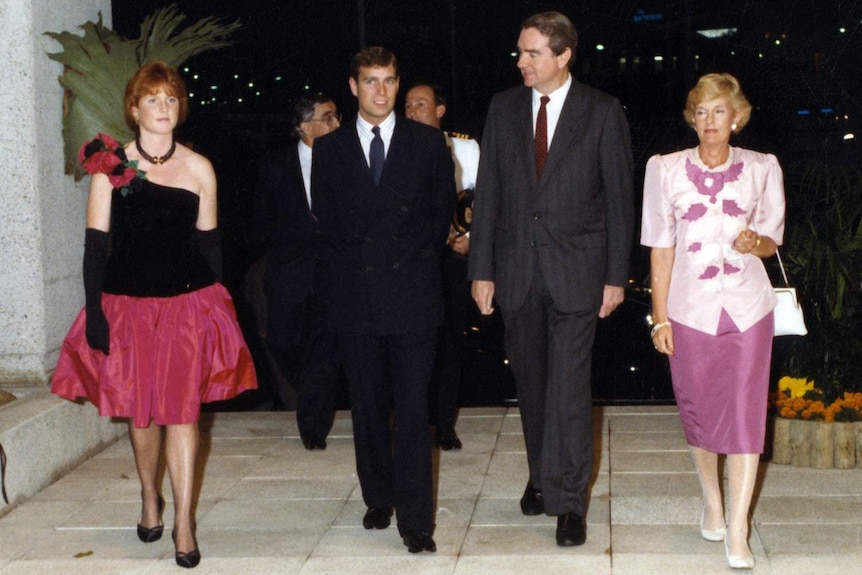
[(104, 155)]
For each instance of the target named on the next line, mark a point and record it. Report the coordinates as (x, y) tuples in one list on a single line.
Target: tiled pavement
[(268, 506)]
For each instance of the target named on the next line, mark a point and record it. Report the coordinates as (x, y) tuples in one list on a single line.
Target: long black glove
[(209, 245), (95, 260)]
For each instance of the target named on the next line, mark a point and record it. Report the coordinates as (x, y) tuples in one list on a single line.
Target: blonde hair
[(712, 86)]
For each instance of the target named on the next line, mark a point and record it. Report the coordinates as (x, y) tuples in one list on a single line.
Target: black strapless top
[(153, 252)]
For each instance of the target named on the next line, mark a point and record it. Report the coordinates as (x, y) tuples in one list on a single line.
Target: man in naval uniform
[(426, 103)]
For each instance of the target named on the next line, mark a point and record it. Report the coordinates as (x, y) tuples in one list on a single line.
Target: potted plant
[(820, 374)]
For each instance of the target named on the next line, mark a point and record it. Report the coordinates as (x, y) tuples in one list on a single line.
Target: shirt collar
[(557, 97), (304, 149), (387, 126)]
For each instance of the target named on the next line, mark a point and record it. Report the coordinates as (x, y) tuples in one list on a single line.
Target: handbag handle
[(781, 265)]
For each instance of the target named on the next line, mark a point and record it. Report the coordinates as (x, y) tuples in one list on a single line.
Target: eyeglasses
[(328, 118)]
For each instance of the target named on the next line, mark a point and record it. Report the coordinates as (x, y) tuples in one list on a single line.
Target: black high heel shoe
[(188, 560), (153, 534)]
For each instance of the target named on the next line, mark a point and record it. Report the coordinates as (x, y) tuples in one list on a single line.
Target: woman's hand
[(663, 340), (746, 242)]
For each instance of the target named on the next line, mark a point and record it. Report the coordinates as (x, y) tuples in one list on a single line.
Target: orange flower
[(789, 404)]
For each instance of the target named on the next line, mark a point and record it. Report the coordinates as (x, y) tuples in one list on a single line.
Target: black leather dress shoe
[(418, 541), (311, 444), (447, 439), (532, 502), (377, 518), (571, 530)]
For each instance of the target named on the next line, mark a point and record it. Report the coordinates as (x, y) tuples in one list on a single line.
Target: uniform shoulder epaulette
[(459, 136)]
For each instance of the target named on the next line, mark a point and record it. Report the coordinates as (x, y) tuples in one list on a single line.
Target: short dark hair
[(439, 95), (303, 109), (149, 79), (560, 31), (372, 57)]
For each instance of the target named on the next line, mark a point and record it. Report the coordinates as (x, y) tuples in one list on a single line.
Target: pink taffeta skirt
[(721, 383), (167, 356)]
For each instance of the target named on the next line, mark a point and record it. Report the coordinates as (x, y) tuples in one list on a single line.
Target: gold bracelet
[(657, 327)]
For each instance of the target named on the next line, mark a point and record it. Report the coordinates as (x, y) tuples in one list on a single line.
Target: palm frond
[(97, 66), (158, 41)]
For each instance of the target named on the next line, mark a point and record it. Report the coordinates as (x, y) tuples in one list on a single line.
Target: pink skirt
[(721, 383), (167, 356)]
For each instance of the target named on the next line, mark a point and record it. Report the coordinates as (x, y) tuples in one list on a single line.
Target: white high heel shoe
[(709, 534), (737, 562)]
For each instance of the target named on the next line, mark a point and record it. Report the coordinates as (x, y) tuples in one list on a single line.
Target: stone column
[(42, 210)]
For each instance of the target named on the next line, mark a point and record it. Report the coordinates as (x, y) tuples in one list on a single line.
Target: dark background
[(798, 63)]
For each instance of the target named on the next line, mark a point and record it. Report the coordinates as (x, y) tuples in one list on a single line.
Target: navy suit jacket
[(383, 243), (575, 224), (284, 220)]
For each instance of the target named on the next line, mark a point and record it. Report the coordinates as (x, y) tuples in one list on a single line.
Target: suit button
[(396, 265), (537, 216), (367, 239), (532, 244), (405, 209), (369, 268)]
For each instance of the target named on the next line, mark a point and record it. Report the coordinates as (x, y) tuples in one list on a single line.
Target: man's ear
[(440, 110), (565, 57)]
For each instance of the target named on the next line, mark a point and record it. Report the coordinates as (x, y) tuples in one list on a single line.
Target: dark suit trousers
[(388, 376), (550, 353), (311, 368), (447, 370)]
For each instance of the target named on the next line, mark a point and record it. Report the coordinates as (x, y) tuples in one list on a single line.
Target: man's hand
[(460, 244), (612, 297), (483, 295)]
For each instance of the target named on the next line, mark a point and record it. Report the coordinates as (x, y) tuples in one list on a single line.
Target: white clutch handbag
[(789, 319)]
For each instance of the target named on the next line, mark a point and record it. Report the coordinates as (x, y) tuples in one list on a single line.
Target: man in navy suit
[(297, 333), (383, 192), (551, 238)]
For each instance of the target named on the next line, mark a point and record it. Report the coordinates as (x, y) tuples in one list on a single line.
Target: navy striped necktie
[(376, 155)]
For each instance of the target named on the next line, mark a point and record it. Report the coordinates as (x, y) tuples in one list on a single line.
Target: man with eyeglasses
[(297, 334)]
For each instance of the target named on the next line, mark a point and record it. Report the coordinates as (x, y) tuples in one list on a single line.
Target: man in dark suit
[(551, 238), (297, 333), (383, 190)]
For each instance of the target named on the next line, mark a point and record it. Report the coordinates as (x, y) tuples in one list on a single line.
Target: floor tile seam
[(533, 526), (498, 429), (282, 499), (832, 523), (300, 477), (248, 437), (610, 472), (484, 475), (668, 472), (809, 496), (501, 416), (648, 450)]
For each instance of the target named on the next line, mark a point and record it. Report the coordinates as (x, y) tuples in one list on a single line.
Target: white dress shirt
[(363, 128), (554, 107), (305, 166)]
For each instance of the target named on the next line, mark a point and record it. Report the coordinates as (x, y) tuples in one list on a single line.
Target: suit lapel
[(397, 146), (354, 148), (523, 122), (295, 172), (570, 124)]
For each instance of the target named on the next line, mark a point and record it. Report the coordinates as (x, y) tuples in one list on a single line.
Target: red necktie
[(541, 137)]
